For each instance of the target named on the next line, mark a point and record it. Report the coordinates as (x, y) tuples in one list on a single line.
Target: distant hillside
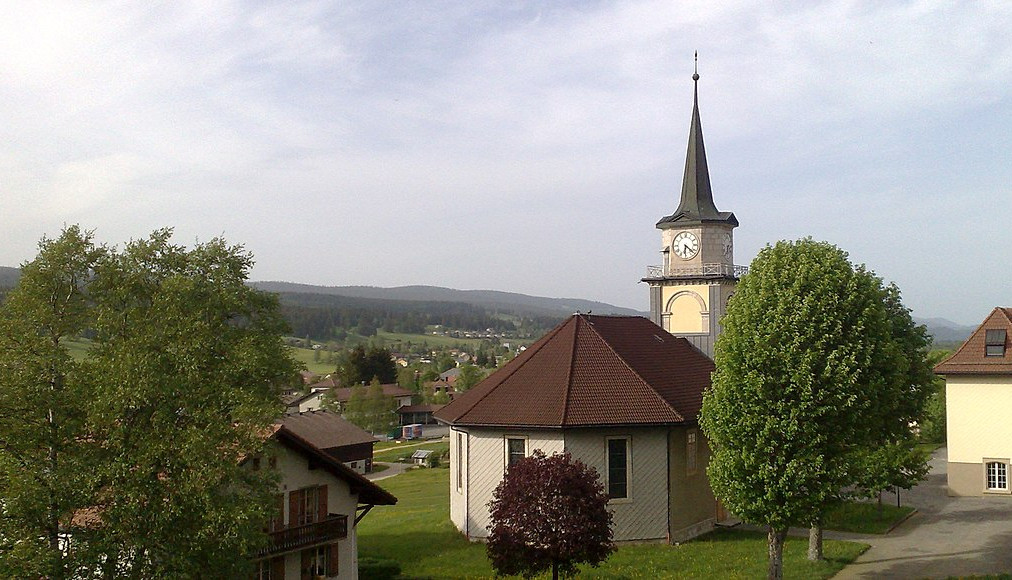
[(946, 333), (509, 301), (9, 276)]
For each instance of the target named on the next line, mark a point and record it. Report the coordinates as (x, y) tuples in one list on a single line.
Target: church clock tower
[(690, 289)]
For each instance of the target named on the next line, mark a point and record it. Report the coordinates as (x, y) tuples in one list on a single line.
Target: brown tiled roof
[(969, 358), (343, 394), (326, 430), (328, 382), (590, 371)]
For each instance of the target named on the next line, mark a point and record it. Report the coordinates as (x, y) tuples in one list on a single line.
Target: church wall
[(641, 516), (486, 464), (692, 505)]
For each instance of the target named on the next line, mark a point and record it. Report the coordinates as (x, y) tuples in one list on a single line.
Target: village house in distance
[(978, 395), (618, 393)]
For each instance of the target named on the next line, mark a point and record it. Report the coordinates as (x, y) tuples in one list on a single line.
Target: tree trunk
[(555, 570), (880, 504), (776, 548), (815, 541)]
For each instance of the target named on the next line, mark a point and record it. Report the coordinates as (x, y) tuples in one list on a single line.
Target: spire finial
[(695, 66)]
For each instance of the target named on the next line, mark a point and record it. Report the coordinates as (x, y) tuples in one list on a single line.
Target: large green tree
[(361, 366), (802, 368), (180, 384), (46, 458)]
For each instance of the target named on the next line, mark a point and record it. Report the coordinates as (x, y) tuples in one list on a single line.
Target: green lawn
[(418, 534), (305, 356), (865, 517), (396, 453)]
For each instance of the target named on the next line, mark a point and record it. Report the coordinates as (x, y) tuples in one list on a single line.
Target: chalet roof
[(425, 408), (343, 394), (591, 371), (325, 429), (368, 492), (970, 358), (696, 202)]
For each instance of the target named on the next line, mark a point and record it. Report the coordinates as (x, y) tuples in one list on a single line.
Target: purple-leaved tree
[(549, 512)]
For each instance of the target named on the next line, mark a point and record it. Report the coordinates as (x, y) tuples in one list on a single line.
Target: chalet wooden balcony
[(716, 270), (334, 527)]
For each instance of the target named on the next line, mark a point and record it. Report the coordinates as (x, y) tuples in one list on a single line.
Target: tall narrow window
[(516, 449), (618, 468), (690, 452), (460, 461), (997, 476)]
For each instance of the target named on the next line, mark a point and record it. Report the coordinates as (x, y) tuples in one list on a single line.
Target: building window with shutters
[(320, 562), (516, 449), (307, 505), (618, 467), (273, 569)]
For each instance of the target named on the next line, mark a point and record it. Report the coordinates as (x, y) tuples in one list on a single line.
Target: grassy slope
[(418, 534)]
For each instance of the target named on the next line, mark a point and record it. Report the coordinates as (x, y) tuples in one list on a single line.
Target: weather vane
[(695, 66)]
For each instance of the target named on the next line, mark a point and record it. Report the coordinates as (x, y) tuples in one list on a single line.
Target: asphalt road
[(948, 536)]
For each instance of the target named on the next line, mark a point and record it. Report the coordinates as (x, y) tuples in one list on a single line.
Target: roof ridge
[(569, 371), (636, 374), (529, 353)]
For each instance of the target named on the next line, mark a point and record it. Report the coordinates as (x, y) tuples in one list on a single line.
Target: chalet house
[(302, 402), (319, 505), (411, 414), (618, 393), (978, 399), (402, 396), (332, 434)]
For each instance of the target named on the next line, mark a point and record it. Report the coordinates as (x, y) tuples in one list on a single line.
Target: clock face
[(728, 247), (685, 245)]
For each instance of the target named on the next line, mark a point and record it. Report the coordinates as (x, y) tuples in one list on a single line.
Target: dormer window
[(994, 342)]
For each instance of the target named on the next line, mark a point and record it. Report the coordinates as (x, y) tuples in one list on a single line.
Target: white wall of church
[(644, 514), (484, 465)]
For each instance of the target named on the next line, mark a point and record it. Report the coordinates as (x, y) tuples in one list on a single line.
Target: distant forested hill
[(9, 276), (509, 301), (324, 317)]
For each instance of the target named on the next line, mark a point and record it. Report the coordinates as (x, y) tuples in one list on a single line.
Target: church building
[(617, 392)]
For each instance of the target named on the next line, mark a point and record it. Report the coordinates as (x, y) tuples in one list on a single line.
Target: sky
[(519, 146)]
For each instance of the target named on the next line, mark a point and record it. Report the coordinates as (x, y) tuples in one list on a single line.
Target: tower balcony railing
[(703, 270)]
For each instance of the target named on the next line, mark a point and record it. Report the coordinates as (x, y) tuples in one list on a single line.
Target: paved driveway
[(949, 536)]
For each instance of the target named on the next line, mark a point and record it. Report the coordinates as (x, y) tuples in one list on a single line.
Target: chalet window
[(460, 461), (307, 505), (997, 476), (691, 452), (273, 569), (319, 562), (618, 468), (516, 449), (994, 342)]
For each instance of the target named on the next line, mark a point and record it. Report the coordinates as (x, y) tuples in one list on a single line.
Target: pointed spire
[(696, 202)]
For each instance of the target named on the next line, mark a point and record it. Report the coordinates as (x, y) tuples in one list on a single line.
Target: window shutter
[(322, 502), (278, 519), (332, 561), (307, 565), (278, 567), (295, 507)]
